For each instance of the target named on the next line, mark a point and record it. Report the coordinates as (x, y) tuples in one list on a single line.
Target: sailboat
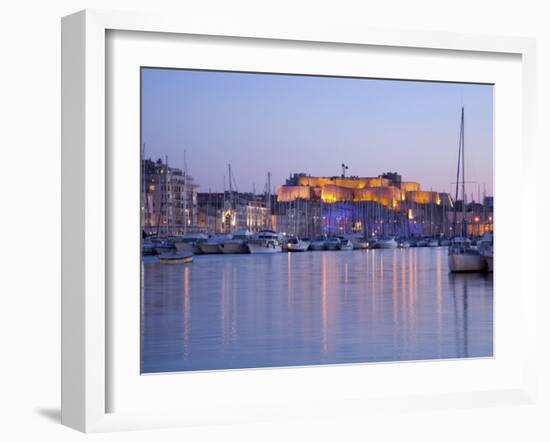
[(462, 256)]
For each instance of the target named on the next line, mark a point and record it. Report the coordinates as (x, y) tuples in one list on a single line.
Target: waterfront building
[(169, 199), (227, 212)]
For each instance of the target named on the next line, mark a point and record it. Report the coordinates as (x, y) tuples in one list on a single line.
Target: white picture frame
[(85, 200)]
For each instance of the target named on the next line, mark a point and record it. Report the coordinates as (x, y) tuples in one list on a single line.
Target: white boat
[(421, 243), (360, 244), (297, 245), (346, 244), (386, 243), (404, 244), (175, 258), (266, 241), (485, 248), (463, 257), (318, 244), (434, 242), (238, 243), (332, 244), (190, 242), (358, 241)]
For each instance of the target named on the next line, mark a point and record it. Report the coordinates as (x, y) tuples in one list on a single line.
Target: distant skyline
[(287, 123)]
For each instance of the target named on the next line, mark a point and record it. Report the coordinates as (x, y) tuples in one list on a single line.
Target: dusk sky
[(286, 123)]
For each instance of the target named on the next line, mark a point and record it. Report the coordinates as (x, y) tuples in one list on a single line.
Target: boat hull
[(300, 247), (386, 245), (160, 250), (466, 262), (182, 247), (210, 249), (175, 258), (262, 248), (317, 246), (234, 247)]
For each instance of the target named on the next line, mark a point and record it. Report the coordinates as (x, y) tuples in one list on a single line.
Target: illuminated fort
[(387, 189), (382, 205)]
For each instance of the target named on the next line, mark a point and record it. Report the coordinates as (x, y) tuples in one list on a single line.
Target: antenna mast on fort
[(344, 168)]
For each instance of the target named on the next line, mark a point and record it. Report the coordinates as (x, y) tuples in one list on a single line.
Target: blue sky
[(288, 123)]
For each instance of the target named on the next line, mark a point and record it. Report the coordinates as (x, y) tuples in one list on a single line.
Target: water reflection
[(312, 308)]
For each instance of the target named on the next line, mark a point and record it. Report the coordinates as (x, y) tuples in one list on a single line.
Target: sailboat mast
[(458, 169), (185, 192), (268, 200), (464, 230), (143, 188)]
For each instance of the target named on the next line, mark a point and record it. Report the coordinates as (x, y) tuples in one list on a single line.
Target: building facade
[(169, 199)]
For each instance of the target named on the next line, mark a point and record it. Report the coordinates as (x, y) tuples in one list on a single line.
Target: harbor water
[(310, 308)]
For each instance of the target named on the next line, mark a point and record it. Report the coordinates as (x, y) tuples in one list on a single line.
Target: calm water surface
[(240, 311)]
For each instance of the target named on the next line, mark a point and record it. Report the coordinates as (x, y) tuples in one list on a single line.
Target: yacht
[(238, 243), (360, 244), (404, 244), (297, 245), (266, 241), (318, 244), (213, 244), (463, 257), (433, 242), (162, 245), (445, 242), (345, 244), (485, 248), (421, 242), (386, 243), (332, 244), (190, 242), (358, 241)]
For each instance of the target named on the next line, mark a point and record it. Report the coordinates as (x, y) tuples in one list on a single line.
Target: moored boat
[(163, 246), (174, 257), (190, 242), (485, 248), (386, 243), (297, 245), (332, 244), (445, 242), (463, 257), (358, 241), (238, 243), (266, 241), (213, 245), (345, 244), (318, 244), (433, 242)]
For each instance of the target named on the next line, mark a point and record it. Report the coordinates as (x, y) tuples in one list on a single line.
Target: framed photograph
[(264, 222)]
